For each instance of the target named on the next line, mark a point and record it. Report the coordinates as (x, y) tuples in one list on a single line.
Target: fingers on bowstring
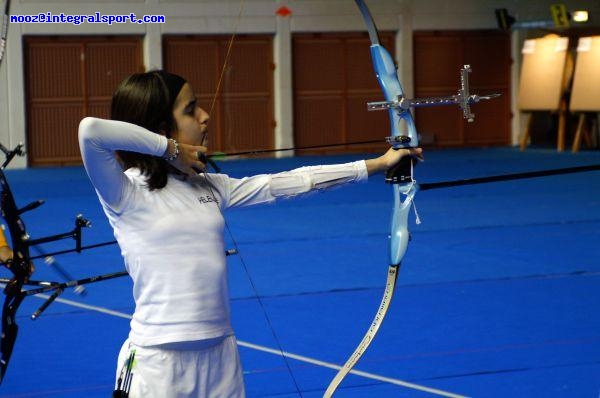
[(197, 168), (191, 161), (201, 159)]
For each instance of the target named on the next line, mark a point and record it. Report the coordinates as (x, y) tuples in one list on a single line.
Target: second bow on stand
[(403, 135)]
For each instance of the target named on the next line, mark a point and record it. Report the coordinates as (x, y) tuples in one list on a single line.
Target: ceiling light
[(580, 16)]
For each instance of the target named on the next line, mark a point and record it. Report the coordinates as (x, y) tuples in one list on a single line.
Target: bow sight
[(463, 99)]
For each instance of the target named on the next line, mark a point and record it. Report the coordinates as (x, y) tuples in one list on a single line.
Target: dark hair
[(143, 99)]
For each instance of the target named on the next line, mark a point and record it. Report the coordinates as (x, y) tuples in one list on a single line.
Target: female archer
[(147, 165)]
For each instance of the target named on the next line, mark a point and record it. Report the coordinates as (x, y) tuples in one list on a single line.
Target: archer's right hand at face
[(191, 158)]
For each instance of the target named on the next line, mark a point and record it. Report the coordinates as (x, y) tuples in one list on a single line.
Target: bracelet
[(175, 154)]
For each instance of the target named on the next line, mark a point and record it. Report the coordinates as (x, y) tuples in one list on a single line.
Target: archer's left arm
[(266, 188)]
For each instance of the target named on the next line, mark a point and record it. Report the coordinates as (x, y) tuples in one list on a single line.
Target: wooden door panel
[(441, 123), (242, 117), (320, 115), (333, 81), (68, 78), (438, 59), (108, 63)]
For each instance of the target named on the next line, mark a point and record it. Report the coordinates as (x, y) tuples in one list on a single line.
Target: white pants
[(198, 369)]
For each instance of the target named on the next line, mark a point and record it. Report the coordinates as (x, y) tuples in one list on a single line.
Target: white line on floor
[(290, 355)]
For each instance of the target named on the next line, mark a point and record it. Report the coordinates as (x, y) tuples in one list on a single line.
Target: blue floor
[(498, 295)]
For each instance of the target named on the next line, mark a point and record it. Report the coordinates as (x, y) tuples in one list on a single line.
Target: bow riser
[(403, 133)]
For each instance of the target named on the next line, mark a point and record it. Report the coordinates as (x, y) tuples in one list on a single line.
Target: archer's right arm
[(98, 141)]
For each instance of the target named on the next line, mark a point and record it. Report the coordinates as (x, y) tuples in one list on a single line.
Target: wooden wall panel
[(69, 78), (247, 124), (333, 81), (318, 64), (242, 118), (55, 99), (318, 120), (52, 138), (438, 57), (108, 63), (54, 70), (437, 60)]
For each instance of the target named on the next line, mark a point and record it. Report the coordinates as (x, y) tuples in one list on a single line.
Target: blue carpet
[(497, 296)]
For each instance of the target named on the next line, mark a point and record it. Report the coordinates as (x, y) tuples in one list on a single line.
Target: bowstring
[(227, 56), (227, 227), (225, 62)]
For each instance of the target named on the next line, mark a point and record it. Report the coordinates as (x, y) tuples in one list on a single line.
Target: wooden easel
[(585, 131), (545, 73), (562, 127), (585, 96)]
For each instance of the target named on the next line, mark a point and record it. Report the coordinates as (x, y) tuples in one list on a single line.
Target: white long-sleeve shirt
[(171, 239)]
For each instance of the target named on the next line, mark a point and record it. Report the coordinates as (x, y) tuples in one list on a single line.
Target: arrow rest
[(399, 139)]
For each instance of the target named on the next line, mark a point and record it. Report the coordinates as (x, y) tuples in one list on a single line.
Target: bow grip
[(400, 173)]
